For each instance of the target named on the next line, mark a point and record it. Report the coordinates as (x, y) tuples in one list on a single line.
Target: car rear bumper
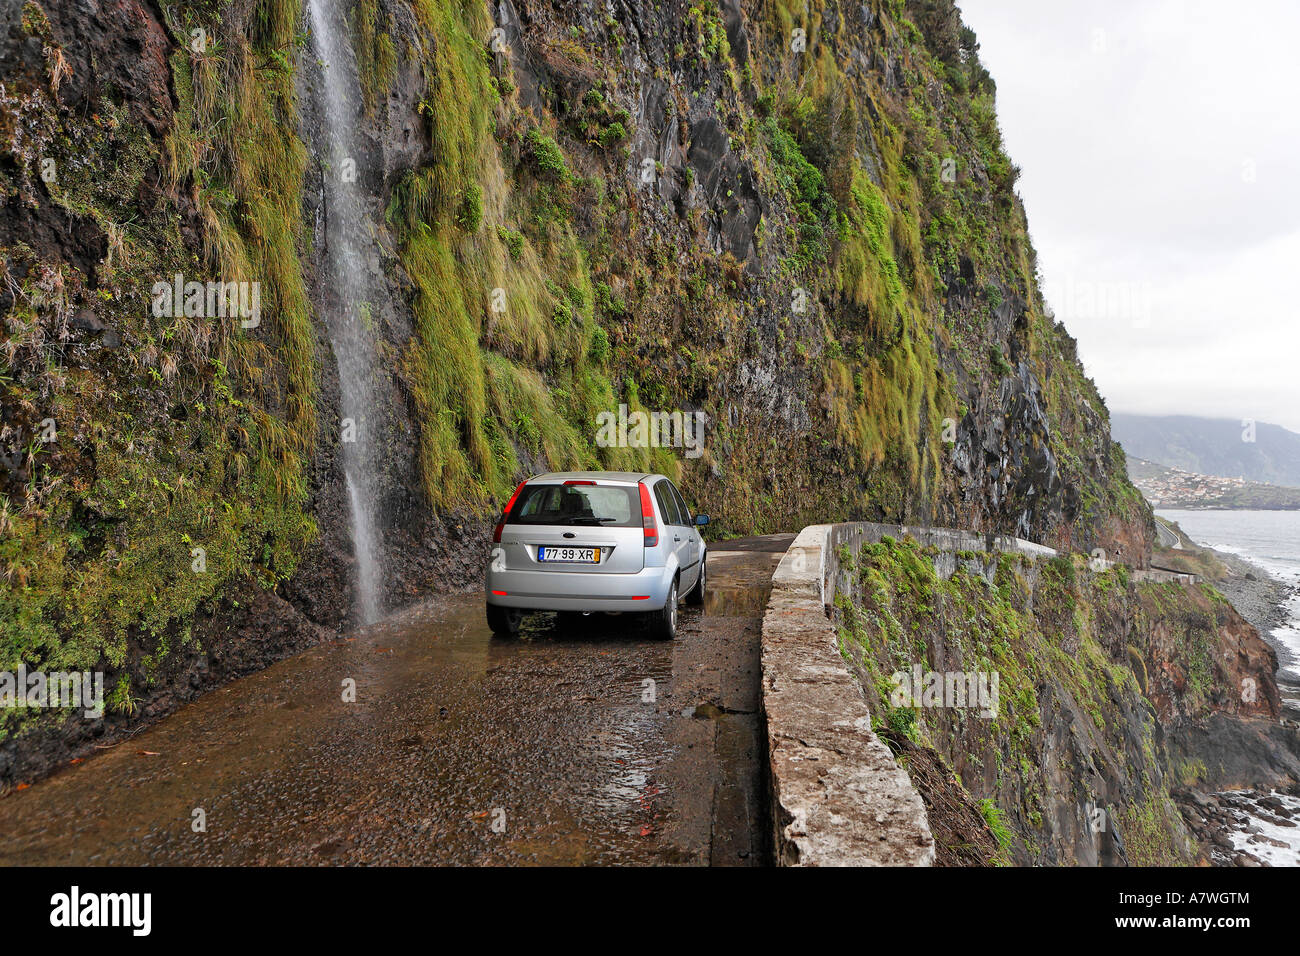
[(646, 590)]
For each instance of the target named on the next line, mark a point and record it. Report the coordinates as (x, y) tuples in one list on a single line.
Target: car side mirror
[(701, 520)]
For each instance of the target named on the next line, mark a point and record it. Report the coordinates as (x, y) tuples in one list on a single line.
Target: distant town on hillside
[(1168, 487), (1223, 447)]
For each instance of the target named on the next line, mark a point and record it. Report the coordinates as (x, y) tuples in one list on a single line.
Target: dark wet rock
[(86, 321), (1238, 753), (117, 49)]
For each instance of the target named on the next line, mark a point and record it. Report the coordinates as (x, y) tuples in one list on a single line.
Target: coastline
[(1261, 599)]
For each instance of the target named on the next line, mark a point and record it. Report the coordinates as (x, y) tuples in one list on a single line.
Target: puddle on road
[(739, 584), (736, 602)]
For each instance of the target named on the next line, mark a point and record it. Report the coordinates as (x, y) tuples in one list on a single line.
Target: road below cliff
[(598, 745), (1167, 537)]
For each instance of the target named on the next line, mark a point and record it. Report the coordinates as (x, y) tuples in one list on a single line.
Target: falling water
[(338, 105), (363, 540)]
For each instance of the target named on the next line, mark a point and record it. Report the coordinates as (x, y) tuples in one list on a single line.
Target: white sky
[(1160, 147)]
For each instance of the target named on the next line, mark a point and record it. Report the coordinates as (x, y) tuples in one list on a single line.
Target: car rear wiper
[(592, 520)]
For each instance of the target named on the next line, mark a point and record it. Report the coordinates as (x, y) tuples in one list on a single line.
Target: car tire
[(504, 621), (663, 623), (696, 597)]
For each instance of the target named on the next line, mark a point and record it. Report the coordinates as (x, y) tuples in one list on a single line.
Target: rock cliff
[(795, 218)]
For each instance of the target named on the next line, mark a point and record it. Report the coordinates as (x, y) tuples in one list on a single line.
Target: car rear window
[(604, 506)]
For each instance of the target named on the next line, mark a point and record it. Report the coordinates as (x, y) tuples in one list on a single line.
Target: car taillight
[(648, 518), (501, 522)]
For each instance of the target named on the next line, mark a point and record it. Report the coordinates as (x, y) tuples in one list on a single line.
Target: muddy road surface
[(590, 745)]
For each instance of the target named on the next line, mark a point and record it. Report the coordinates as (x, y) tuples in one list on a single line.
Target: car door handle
[(675, 538)]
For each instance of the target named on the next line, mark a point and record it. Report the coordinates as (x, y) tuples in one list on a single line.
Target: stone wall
[(838, 796)]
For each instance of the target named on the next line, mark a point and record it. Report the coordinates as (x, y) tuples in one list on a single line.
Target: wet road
[(588, 746)]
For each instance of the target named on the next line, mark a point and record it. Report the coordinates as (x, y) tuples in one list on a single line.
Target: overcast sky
[(1160, 149)]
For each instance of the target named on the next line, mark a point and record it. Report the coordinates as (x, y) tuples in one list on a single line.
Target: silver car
[(595, 541)]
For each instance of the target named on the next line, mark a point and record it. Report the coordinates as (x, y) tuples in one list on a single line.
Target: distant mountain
[(1212, 446)]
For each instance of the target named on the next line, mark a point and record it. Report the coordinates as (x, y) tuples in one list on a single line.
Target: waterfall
[(348, 310)]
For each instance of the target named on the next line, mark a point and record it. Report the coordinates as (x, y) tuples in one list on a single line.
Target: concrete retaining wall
[(838, 796), (1161, 574)]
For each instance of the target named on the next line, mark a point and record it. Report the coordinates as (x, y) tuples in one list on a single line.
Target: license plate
[(571, 555)]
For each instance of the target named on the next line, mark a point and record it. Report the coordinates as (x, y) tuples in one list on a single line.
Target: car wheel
[(504, 621), (696, 597), (663, 623)]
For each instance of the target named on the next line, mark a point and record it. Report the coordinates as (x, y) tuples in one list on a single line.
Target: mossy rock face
[(174, 477), (830, 265), (1138, 666), (1091, 678)]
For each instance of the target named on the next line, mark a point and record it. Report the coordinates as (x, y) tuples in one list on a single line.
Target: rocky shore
[(1248, 827), (1244, 828)]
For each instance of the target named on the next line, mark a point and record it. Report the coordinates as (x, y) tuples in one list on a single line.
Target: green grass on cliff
[(375, 52), (884, 389), (191, 433), (933, 209), (506, 358)]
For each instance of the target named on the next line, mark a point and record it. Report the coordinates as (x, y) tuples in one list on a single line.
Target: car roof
[(630, 477)]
